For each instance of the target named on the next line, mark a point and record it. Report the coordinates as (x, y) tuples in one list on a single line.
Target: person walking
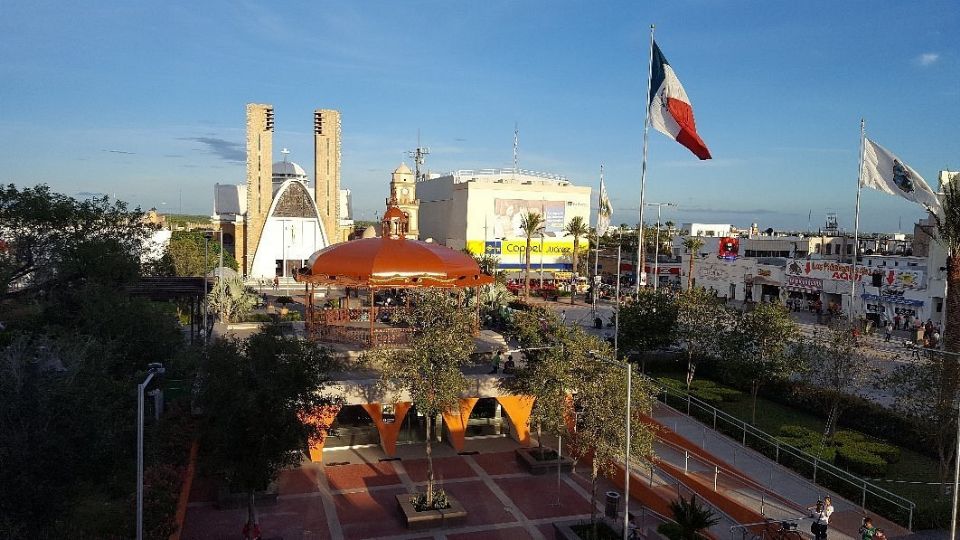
[(867, 530), (887, 331), (496, 362)]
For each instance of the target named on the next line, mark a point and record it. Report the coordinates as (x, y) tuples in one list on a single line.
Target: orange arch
[(324, 416), (389, 432), (518, 410), (457, 423)]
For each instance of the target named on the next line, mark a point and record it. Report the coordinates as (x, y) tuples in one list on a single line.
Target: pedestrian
[(821, 518), (879, 534), (496, 362), (896, 322), (509, 367), (276, 283), (867, 530), (563, 316), (888, 331)]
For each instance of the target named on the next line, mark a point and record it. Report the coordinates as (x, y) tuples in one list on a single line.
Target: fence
[(851, 486)]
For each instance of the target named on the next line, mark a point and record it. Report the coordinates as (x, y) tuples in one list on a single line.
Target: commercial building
[(274, 222), (480, 210)]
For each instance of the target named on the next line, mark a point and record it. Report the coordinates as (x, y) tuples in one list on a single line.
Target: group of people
[(509, 367), (821, 512), (927, 333)]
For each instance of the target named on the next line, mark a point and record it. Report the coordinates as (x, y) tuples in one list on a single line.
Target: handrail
[(766, 523), (847, 477), (734, 474)]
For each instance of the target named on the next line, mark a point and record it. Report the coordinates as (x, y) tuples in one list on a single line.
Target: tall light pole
[(656, 256), (626, 449), (616, 312), (153, 369), (541, 258), (206, 241)]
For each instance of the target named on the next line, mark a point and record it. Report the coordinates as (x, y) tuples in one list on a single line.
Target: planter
[(563, 530), (455, 515), (527, 458)]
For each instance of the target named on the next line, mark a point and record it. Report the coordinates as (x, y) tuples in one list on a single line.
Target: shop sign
[(828, 270), (876, 308), (803, 282)]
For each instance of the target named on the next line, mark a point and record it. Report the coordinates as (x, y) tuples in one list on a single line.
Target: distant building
[(480, 210), (275, 222)]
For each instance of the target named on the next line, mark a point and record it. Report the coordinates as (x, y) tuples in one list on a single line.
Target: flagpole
[(856, 229), (596, 257), (643, 173)]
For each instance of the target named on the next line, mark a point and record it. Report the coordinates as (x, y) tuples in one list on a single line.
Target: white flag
[(604, 210), (885, 172)]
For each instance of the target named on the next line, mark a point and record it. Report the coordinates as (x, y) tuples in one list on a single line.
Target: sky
[(145, 101)]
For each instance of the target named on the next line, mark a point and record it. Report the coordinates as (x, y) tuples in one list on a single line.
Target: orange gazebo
[(390, 261)]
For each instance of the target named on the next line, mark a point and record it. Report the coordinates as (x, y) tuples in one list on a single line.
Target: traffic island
[(542, 460), (454, 514)]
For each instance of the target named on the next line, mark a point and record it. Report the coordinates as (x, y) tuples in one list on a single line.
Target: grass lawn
[(912, 466)]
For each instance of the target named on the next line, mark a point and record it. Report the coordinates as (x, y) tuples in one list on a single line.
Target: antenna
[(419, 156)]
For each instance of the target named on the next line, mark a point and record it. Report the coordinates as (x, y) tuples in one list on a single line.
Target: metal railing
[(790, 526), (820, 472)]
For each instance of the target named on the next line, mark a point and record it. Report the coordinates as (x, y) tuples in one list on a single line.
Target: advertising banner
[(552, 248), (895, 279), (509, 212)]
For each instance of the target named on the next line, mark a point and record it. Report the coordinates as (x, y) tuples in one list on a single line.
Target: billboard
[(509, 212)]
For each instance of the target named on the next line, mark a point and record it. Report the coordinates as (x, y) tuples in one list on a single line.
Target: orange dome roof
[(392, 262)]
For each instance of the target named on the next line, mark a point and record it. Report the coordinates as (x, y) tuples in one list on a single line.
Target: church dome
[(369, 232), (284, 170), (402, 169)]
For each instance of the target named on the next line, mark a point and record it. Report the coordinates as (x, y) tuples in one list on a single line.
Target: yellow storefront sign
[(501, 248)]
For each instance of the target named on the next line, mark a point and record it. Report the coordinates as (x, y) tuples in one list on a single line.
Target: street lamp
[(152, 369), (626, 449), (656, 256)]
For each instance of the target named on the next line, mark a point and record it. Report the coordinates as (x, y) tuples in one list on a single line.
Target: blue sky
[(146, 100)]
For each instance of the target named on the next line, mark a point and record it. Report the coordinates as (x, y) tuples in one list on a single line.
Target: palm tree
[(531, 224), (689, 518), (576, 228), (693, 245), (948, 234)]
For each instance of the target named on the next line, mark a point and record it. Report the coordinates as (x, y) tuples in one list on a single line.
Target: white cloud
[(927, 59)]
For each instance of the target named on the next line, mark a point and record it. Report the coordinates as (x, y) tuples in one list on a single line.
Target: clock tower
[(403, 195)]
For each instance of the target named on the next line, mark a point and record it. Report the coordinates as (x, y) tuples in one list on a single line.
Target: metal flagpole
[(856, 231), (616, 312), (643, 173), (596, 257)]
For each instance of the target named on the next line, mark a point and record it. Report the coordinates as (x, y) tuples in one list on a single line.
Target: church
[(274, 222)]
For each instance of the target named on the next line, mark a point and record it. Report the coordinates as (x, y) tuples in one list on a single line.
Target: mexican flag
[(670, 109)]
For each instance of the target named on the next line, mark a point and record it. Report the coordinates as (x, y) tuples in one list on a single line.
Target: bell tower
[(403, 195)]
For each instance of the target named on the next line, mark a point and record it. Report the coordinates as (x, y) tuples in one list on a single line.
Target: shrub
[(283, 300), (861, 461), (440, 502), (889, 453)]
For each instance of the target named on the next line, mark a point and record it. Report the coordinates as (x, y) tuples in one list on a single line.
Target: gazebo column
[(372, 317)]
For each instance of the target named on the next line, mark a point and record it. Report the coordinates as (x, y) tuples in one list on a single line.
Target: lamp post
[(541, 258), (626, 449), (656, 256), (153, 369)]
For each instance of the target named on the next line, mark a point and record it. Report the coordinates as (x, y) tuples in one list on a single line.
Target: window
[(849, 249), (827, 249)]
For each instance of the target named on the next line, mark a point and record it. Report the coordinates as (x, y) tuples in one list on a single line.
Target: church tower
[(326, 148), (403, 195), (259, 180)]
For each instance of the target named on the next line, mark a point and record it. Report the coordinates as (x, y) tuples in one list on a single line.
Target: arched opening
[(352, 427)]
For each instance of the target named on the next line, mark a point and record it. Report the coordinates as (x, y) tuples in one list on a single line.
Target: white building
[(480, 210), (706, 229)]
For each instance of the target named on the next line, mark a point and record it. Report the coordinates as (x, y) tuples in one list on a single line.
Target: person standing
[(867, 530), (888, 331), (821, 518)]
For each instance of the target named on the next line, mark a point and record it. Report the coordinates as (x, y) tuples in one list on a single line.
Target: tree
[(758, 348), (601, 401), (430, 368), (577, 228), (648, 323), (836, 363), (692, 244), (531, 224), (689, 519), (922, 392), (230, 299), (702, 323), (260, 398), (185, 255), (50, 241)]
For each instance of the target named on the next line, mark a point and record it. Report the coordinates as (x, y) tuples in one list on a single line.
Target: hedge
[(861, 461)]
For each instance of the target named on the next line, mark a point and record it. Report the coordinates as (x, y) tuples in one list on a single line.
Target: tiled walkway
[(357, 499)]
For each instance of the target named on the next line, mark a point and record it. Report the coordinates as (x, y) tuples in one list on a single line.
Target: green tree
[(921, 393), (430, 367), (836, 363), (260, 398), (702, 323), (185, 255), (601, 402), (758, 348), (648, 323), (50, 241), (531, 224), (577, 228), (690, 518), (692, 244)]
